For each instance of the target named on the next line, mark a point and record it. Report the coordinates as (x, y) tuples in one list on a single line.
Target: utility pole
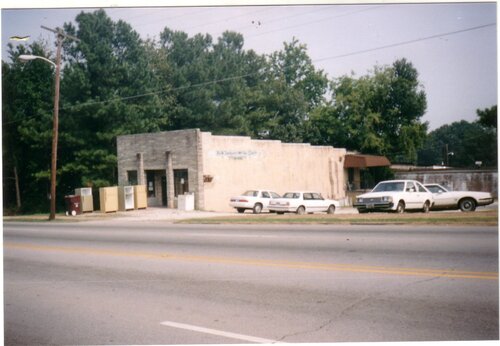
[(61, 36)]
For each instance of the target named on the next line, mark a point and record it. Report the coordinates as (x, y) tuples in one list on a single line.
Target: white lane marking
[(219, 333)]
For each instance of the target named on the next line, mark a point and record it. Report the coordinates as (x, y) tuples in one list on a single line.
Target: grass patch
[(60, 217), (487, 218)]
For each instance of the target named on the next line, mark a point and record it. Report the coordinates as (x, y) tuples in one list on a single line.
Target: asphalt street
[(154, 283)]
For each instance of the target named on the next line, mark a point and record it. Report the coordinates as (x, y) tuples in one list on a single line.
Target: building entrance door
[(164, 191)]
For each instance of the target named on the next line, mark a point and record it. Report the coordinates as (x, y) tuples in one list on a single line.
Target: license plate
[(370, 206)]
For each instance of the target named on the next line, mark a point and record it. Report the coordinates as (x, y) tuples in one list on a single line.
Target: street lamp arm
[(25, 57)]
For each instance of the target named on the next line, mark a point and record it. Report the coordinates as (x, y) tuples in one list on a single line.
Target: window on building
[(181, 184), (132, 177), (150, 181)]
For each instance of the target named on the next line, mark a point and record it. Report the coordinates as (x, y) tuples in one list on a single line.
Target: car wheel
[(301, 210), (467, 204), (427, 207), (240, 210), (331, 209), (401, 207), (257, 208)]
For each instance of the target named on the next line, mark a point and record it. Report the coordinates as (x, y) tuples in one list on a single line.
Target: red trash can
[(73, 205)]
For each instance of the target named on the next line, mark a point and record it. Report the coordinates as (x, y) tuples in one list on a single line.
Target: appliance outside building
[(125, 198), (86, 198), (140, 197), (108, 197)]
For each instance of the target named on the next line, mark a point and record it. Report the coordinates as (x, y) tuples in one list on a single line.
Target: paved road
[(140, 283)]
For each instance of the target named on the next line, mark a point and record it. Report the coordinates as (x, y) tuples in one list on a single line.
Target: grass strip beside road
[(486, 218)]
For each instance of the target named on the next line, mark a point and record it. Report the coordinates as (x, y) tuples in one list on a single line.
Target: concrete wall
[(185, 150), (471, 180), (233, 164)]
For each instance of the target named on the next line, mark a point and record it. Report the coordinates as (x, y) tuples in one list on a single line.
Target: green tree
[(461, 144), (292, 87), (113, 84), (488, 117), (237, 73), (190, 72), (27, 113), (379, 113)]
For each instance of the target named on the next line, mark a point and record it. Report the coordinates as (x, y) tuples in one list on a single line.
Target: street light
[(25, 57), (55, 129), (60, 35)]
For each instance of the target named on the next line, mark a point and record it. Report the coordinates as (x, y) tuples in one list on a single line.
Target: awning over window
[(364, 161)]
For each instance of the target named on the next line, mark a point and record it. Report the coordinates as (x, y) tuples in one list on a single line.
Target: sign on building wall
[(235, 154)]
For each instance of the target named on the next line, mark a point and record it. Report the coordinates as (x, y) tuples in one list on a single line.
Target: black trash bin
[(73, 205)]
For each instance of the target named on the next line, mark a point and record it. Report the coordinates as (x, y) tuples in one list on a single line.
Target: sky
[(453, 46)]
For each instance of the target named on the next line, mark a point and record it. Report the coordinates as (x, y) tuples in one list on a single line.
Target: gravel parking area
[(165, 214), (148, 214), (171, 215)]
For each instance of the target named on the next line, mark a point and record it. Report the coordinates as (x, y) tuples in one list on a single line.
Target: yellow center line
[(447, 273)]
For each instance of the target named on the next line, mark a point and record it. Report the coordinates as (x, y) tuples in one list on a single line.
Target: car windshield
[(251, 193), (291, 195), (389, 186)]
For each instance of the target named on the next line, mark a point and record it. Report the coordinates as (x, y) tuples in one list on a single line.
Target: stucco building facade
[(214, 168)]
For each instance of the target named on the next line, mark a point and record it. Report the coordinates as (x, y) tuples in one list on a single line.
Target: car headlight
[(360, 200), (387, 199)]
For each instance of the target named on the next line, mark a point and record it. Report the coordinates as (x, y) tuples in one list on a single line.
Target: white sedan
[(395, 195), (255, 200), (463, 200), (303, 202)]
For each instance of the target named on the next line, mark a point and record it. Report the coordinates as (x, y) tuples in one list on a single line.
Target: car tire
[(240, 210), (467, 205), (401, 207), (257, 208), (427, 207), (331, 209), (301, 210)]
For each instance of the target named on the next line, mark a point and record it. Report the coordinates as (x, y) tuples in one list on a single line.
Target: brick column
[(199, 190), (170, 180), (141, 178)]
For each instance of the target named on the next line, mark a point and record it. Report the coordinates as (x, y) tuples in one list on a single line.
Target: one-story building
[(214, 168)]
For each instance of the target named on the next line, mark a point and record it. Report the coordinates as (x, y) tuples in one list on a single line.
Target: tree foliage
[(488, 117), (463, 143), (379, 113), (27, 111)]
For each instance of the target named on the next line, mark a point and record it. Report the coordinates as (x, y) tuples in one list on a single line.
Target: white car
[(463, 200), (303, 202), (255, 200), (395, 195)]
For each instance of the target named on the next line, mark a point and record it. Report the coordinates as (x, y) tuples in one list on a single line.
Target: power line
[(91, 103), (198, 85), (322, 8), (253, 74), (316, 21), (405, 42)]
